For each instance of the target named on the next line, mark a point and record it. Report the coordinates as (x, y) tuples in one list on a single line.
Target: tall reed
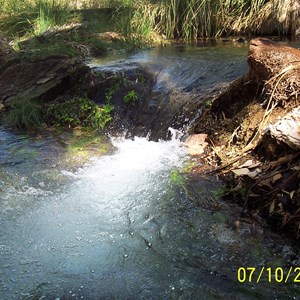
[(191, 19), (141, 20), (278, 17), (137, 22)]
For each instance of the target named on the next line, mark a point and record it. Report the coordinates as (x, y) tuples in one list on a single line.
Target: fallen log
[(273, 77), (277, 68)]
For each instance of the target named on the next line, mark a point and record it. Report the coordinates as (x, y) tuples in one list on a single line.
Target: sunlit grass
[(34, 17), (143, 21), (192, 19), (278, 16), (50, 14)]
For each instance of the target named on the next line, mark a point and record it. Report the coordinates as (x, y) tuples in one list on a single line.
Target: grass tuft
[(193, 19), (25, 113)]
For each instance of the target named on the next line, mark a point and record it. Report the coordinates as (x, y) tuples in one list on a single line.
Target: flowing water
[(199, 67), (126, 225)]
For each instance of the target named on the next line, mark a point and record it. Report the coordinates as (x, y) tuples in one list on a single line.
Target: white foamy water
[(121, 228), (92, 227)]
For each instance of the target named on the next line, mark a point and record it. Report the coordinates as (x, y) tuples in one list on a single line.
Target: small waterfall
[(176, 83)]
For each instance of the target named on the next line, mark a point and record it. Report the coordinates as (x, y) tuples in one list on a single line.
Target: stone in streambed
[(196, 144)]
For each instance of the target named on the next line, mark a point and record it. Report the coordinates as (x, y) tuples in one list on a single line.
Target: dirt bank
[(254, 134)]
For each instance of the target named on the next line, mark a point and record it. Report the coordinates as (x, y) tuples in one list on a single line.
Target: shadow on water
[(129, 225)]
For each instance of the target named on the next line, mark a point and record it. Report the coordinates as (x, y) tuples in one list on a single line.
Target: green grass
[(34, 17), (144, 21), (43, 48), (25, 113), (51, 14), (193, 19)]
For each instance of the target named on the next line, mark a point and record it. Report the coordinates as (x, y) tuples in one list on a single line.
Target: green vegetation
[(208, 103), (192, 19), (25, 113), (221, 192), (115, 83), (146, 22), (35, 17), (177, 178), (51, 14), (39, 28), (87, 140), (78, 111), (131, 97), (39, 49)]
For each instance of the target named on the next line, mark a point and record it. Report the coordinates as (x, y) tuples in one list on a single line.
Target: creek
[(129, 224)]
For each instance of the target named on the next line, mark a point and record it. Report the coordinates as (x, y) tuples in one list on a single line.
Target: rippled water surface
[(127, 225), (200, 66)]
